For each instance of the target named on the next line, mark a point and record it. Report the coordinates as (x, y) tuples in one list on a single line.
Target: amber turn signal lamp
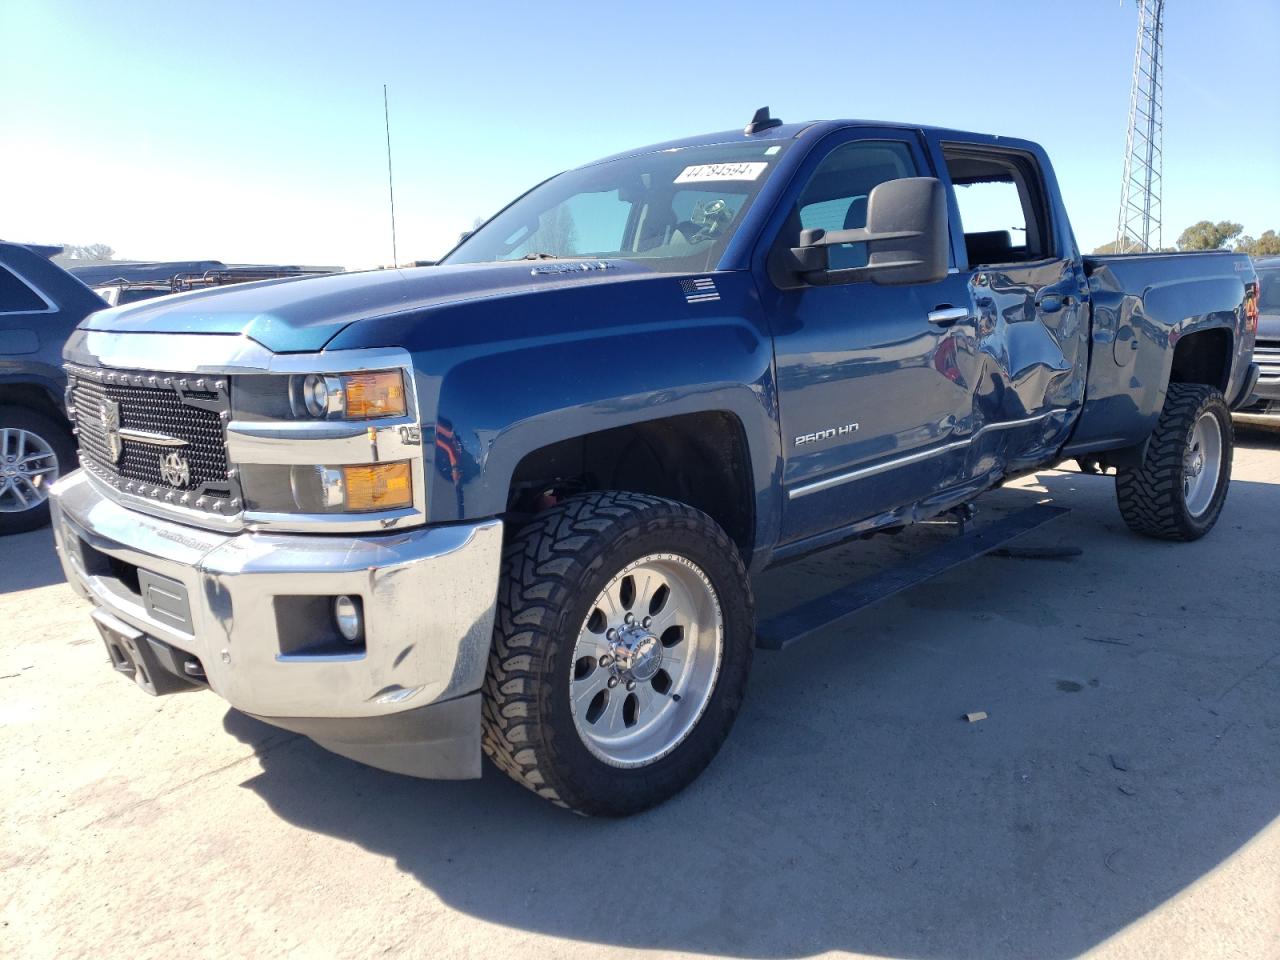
[(378, 486), (372, 395)]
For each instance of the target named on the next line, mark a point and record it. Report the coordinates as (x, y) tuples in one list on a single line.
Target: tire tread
[(543, 563), (1150, 496)]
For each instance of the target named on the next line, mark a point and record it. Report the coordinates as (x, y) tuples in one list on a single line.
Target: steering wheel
[(712, 218)]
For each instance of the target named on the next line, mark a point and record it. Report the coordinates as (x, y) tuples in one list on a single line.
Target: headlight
[(317, 391), (349, 396)]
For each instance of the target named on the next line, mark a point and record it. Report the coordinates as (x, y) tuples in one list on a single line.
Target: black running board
[(781, 631)]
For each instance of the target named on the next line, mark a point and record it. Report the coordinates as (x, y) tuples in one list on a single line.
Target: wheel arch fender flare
[(496, 408)]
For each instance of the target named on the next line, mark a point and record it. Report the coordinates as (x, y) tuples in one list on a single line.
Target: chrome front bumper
[(428, 597)]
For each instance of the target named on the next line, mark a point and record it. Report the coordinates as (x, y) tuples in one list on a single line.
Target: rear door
[(875, 382), (1018, 260)]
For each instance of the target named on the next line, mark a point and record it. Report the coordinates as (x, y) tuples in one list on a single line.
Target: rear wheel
[(1178, 491), (34, 451), (620, 654)]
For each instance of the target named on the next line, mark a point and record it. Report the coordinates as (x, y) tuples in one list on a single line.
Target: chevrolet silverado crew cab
[(508, 504)]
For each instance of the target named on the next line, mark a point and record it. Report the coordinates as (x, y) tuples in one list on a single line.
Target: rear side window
[(1001, 205), (835, 198), (16, 296)]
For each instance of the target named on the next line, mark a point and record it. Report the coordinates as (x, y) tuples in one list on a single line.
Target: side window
[(16, 296), (999, 199), (835, 198)]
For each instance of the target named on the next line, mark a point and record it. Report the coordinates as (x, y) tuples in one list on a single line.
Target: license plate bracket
[(152, 665)]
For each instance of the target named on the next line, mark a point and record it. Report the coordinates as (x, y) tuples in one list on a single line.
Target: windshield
[(674, 209), (1269, 294)]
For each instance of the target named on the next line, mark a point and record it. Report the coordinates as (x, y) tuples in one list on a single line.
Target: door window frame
[(770, 233), (1033, 175)]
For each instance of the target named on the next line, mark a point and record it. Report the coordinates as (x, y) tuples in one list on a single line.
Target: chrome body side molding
[(826, 483)]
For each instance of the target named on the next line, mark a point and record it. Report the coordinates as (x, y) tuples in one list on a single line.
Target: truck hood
[(302, 315)]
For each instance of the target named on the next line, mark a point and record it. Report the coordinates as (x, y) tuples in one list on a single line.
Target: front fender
[(48, 380), (501, 377), (495, 409)]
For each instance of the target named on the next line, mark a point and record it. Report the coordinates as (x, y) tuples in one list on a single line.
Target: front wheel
[(34, 451), (1178, 491), (620, 654)]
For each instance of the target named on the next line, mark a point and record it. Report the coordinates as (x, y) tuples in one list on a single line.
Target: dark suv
[(1265, 411), (40, 304)]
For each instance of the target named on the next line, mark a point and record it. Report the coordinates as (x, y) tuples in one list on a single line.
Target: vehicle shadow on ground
[(28, 560), (1257, 438), (853, 809)]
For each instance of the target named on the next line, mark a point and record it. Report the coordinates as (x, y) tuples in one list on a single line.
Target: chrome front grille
[(1266, 354), (158, 436)]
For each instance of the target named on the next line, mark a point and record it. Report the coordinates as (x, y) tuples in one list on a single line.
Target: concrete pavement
[(1122, 797)]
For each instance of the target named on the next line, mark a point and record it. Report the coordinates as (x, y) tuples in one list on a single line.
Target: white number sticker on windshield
[(722, 171)]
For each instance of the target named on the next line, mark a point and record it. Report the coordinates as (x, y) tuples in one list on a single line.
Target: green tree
[(1207, 235), (1267, 245), (1115, 246)]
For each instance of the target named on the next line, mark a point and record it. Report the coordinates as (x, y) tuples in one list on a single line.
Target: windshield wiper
[(540, 256)]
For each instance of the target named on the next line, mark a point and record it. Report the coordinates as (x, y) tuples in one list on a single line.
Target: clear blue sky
[(253, 132)]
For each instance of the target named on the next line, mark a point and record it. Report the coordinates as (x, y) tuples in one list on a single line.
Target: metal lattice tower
[(1139, 225)]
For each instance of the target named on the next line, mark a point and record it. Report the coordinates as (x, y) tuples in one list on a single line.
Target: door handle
[(944, 316)]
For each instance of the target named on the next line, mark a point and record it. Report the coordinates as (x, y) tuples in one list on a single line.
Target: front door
[(875, 382)]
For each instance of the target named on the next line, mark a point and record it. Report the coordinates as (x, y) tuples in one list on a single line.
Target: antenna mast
[(1139, 229), (391, 188)]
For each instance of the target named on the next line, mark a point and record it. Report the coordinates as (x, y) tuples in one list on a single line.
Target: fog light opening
[(349, 618)]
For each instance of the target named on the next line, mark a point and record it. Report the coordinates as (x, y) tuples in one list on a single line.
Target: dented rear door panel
[(1032, 324), (1032, 340)]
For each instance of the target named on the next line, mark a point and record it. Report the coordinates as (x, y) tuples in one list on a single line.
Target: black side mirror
[(906, 237)]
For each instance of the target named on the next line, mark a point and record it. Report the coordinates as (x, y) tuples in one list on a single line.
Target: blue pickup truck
[(509, 504)]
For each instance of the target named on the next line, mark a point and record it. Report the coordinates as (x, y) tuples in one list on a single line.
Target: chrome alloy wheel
[(27, 466), (646, 660), (1201, 464)]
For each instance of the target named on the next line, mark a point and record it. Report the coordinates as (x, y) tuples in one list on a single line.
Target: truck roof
[(792, 131)]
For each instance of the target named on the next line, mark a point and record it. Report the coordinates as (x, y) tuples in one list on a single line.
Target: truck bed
[(1143, 304)]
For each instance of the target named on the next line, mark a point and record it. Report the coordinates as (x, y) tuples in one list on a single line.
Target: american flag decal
[(701, 290)]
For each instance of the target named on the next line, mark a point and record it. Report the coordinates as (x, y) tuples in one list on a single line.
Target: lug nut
[(631, 685), (612, 634), (606, 660), (613, 682), (630, 618), (646, 621)]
